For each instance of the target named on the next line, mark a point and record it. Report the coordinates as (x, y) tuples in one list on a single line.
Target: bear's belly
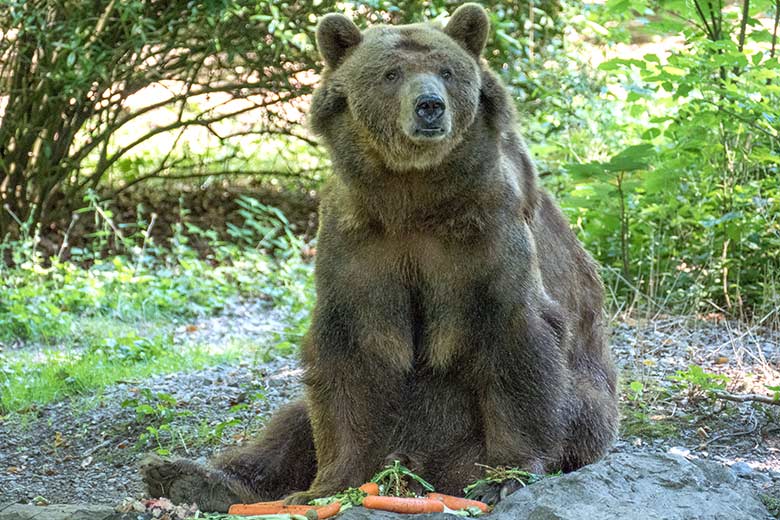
[(440, 428)]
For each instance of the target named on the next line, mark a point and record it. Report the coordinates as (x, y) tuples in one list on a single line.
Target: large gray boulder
[(640, 486), (626, 486)]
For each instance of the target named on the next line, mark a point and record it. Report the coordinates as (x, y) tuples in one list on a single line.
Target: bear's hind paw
[(186, 482)]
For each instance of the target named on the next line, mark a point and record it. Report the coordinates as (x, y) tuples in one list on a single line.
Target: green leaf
[(713, 222), (632, 158), (585, 171), (651, 133), (674, 71)]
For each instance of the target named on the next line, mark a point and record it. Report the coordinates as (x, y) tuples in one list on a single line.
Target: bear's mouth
[(429, 134)]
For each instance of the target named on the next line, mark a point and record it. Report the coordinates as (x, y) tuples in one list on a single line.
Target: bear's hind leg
[(594, 424), (280, 461)]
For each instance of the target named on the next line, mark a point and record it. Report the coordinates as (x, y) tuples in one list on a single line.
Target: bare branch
[(746, 398)]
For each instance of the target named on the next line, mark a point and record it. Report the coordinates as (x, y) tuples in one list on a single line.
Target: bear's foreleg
[(356, 355), (523, 381)]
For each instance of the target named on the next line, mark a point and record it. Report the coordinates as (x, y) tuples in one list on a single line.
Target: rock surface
[(639, 486), (627, 486), (55, 512)]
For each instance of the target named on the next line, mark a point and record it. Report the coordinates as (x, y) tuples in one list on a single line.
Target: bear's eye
[(392, 75), (446, 74)]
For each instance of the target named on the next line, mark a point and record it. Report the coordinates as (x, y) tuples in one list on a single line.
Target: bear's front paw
[(492, 493), (302, 498)]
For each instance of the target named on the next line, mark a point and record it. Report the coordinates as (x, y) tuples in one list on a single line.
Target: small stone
[(760, 476), (742, 469), (679, 451)]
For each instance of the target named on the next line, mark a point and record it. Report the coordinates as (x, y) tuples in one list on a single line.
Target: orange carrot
[(403, 505), (268, 508), (246, 509), (370, 488), (323, 512), (454, 502), (277, 507)]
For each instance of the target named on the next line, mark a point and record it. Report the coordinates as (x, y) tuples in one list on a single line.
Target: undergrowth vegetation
[(667, 159), (98, 319)]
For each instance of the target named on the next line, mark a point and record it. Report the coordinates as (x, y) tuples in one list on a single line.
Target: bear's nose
[(429, 108)]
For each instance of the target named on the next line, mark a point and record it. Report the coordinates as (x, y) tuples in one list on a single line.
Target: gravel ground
[(745, 436), (85, 450)]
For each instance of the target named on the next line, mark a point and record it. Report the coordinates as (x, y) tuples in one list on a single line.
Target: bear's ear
[(469, 26), (336, 34)]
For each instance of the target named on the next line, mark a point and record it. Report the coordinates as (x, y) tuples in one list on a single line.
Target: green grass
[(772, 503), (77, 326), (640, 416), (38, 377)]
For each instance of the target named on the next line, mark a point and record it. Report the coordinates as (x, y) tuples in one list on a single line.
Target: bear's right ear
[(336, 34)]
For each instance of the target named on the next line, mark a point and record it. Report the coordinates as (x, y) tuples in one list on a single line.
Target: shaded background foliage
[(664, 156)]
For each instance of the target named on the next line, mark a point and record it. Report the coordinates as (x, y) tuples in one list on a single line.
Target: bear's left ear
[(469, 26), (336, 34)]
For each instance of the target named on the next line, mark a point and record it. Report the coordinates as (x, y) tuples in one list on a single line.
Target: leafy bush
[(698, 383), (670, 165), (69, 71), (239, 71)]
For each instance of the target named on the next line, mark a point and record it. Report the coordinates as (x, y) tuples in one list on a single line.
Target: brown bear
[(458, 320)]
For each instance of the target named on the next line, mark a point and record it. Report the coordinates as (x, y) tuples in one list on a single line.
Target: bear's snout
[(425, 116), (429, 109)]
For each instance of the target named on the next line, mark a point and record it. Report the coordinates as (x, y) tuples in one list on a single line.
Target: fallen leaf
[(721, 360), (59, 441), (715, 316), (191, 328), (13, 469)]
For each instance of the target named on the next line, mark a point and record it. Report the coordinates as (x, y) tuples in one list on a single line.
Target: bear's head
[(408, 93)]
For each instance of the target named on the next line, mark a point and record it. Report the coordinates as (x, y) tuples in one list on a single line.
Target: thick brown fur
[(458, 320)]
